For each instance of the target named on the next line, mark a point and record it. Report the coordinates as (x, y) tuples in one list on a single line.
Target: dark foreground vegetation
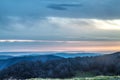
[(107, 65)]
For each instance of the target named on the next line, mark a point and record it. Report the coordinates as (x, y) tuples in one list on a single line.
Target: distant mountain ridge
[(43, 58), (7, 59), (73, 55), (108, 65), (61, 54)]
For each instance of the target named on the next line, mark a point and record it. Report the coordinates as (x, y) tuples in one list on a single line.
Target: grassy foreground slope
[(86, 78)]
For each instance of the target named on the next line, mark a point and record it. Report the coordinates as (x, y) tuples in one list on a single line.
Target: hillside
[(65, 68), (7, 58), (4, 63)]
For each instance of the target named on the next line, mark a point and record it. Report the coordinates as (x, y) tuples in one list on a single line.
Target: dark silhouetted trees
[(64, 68)]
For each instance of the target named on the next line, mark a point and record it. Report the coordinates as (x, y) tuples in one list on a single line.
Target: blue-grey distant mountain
[(61, 54), (5, 57), (43, 58), (107, 65), (73, 55), (18, 53)]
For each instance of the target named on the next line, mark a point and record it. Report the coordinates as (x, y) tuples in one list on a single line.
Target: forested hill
[(108, 64)]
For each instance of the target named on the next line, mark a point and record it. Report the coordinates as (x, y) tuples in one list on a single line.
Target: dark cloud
[(62, 6), (107, 9)]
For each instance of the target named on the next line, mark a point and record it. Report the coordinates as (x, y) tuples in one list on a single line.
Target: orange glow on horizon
[(89, 46), (98, 48)]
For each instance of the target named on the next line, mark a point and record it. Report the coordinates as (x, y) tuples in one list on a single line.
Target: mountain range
[(4, 63), (51, 66), (8, 60)]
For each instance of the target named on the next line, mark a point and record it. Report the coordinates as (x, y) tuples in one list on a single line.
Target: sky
[(59, 25)]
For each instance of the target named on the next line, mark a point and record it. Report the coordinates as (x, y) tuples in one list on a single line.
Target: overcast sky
[(40, 25)]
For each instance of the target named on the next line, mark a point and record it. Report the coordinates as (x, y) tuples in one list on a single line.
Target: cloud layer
[(46, 23), (61, 28)]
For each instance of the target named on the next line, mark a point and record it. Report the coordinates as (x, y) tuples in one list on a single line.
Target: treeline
[(64, 68)]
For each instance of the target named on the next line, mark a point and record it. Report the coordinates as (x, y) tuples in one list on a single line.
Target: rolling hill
[(107, 65), (4, 63)]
